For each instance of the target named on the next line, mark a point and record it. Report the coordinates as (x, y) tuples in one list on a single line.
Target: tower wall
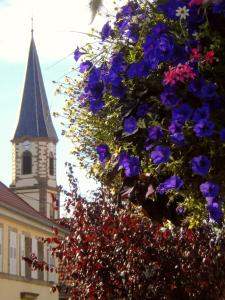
[(38, 188)]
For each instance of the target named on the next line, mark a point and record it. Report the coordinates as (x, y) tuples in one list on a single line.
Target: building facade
[(21, 230), (29, 207)]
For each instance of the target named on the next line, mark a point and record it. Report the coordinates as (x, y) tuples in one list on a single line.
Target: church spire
[(35, 119), (34, 144)]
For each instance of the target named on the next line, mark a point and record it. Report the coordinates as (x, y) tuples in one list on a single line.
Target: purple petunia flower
[(132, 166), (106, 31), (159, 28), (169, 8), (138, 69), (143, 109), (200, 165), (209, 189), (215, 212), (160, 154), (132, 33), (222, 134), (178, 139), (165, 46), (155, 133), (77, 54), (118, 63), (96, 105), (172, 183), (182, 113), (208, 90), (84, 66), (103, 152), (168, 98), (202, 88), (118, 91), (204, 128), (130, 125), (175, 127), (201, 113)]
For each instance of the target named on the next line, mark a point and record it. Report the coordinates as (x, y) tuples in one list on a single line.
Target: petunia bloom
[(130, 124), (103, 152), (209, 189), (215, 212), (160, 154), (204, 128), (200, 165), (131, 164), (172, 183), (106, 31), (182, 113)]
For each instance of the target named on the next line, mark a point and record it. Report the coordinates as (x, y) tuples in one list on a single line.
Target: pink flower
[(195, 54), (181, 72), (195, 2), (210, 56)]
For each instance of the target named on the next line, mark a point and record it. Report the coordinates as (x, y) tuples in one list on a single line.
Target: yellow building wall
[(12, 285), (11, 289)]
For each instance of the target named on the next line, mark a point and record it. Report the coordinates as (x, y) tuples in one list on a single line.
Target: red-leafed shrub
[(113, 252)]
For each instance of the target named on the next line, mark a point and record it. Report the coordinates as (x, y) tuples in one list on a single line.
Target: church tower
[(34, 144)]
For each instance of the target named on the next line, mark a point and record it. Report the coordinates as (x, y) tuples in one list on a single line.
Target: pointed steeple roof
[(35, 119)]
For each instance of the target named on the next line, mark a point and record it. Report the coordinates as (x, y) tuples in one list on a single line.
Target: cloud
[(53, 23)]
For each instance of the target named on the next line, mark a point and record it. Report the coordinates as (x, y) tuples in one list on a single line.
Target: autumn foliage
[(112, 251)]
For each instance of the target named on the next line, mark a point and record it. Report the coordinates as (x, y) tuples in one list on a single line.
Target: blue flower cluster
[(162, 73)]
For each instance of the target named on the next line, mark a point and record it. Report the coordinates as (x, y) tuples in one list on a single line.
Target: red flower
[(181, 72), (195, 54), (210, 56)]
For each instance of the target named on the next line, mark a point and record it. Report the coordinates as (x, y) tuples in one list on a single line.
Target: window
[(28, 296), (34, 273), (51, 164), (41, 258), (27, 162), (51, 262), (28, 251), (12, 252)]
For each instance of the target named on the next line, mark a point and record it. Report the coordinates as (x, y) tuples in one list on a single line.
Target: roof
[(34, 119), (11, 201)]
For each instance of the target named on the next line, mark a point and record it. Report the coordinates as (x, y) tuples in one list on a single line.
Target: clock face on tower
[(26, 145)]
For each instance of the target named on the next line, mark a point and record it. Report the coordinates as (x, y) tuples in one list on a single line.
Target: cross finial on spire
[(32, 26)]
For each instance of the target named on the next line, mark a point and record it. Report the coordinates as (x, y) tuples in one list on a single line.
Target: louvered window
[(27, 162), (51, 164)]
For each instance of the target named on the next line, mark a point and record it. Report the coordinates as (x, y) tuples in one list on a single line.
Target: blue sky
[(52, 22)]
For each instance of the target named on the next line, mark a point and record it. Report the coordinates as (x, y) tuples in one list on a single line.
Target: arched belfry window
[(27, 162), (51, 164)]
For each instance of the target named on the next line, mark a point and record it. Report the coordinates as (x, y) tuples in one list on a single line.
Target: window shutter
[(1, 248), (22, 254), (51, 262), (34, 273), (41, 258), (45, 259), (28, 250), (12, 252)]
